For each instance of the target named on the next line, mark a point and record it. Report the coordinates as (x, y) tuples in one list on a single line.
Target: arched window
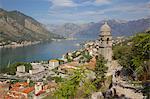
[(101, 40), (107, 40)]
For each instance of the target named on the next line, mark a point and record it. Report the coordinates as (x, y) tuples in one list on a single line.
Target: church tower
[(105, 40)]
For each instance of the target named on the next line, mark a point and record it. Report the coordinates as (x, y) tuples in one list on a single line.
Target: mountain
[(16, 26), (119, 28), (92, 30), (67, 29)]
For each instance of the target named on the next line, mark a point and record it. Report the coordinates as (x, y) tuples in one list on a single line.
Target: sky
[(79, 11)]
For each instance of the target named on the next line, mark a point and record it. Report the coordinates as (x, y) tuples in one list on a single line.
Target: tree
[(141, 54), (86, 55), (86, 89), (100, 68), (135, 57), (70, 87)]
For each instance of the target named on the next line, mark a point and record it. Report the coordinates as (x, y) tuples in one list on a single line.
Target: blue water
[(38, 52)]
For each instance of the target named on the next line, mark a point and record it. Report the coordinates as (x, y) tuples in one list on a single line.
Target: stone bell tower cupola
[(105, 41)]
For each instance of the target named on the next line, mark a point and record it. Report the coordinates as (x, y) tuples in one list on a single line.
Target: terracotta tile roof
[(7, 97), (28, 90), (14, 95), (15, 89), (18, 84), (72, 65)]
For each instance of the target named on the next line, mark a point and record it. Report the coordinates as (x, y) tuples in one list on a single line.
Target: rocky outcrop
[(97, 95), (129, 92), (120, 89), (123, 88), (16, 26)]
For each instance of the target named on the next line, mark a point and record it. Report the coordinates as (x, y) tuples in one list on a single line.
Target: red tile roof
[(18, 84), (15, 89), (28, 90)]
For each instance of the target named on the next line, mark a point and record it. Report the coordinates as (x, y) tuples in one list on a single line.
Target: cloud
[(102, 1), (130, 8), (82, 13), (76, 17), (96, 2), (63, 3), (148, 5), (71, 3)]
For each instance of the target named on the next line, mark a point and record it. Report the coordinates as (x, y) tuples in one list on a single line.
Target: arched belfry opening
[(107, 40)]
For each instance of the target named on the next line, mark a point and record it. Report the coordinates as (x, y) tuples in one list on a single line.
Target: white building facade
[(53, 63)]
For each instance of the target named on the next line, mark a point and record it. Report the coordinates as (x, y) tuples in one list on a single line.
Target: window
[(107, 40)]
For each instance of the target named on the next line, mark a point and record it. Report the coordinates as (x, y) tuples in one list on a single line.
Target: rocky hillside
[(16, 26), (91, 30), (67, 29), (119, 28)]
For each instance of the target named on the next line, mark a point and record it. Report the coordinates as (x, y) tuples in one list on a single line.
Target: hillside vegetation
[(134, 55)]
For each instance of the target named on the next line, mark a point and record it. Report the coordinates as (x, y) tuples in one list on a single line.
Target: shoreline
[(27, 43), (15, 45), (38, 44)]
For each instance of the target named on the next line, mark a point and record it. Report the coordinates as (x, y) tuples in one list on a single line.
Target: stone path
[(123, 87)]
